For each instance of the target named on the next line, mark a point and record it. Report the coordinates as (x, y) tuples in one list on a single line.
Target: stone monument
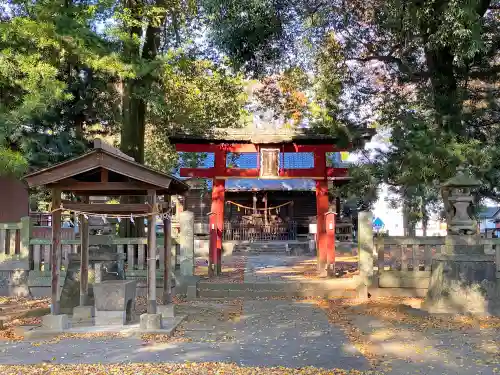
[(101, 258), (115, 302), (186, 222), (463, 278)]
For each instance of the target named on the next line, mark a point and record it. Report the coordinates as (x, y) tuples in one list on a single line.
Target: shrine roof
[(265, 135), (488, 212), (82, 175)]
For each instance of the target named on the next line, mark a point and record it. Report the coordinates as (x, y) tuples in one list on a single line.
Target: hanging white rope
[(86, 214)]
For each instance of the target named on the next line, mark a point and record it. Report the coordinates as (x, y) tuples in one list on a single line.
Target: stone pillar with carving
[(463, 278)]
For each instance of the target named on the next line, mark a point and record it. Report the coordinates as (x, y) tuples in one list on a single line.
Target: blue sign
[(378, 223)]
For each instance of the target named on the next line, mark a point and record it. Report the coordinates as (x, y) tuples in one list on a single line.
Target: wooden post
[(56, 250), (167, 258), (46, 257), (338, 206), (322, 209), (84, 257), (141, 256), (130, 256), (152, 253)]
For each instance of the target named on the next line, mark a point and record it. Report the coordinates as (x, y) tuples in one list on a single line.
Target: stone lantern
[(460, 196), (463, 277)]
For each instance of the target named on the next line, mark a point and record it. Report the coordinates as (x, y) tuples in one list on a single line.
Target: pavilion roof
[(82, 174)]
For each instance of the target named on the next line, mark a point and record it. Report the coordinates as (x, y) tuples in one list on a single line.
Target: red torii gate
[(220, 172)]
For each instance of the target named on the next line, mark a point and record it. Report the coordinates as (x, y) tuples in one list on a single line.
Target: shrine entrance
[(260, 220)]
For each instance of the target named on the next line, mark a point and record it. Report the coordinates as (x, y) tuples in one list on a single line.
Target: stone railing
[(25, 260), (406, 253), (405, 262), (14, 255), (14, 240)]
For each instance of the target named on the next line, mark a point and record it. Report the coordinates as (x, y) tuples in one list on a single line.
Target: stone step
[(261, 247), (337, 288)]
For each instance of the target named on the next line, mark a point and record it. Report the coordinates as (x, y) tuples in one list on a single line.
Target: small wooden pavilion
[(105, 171)]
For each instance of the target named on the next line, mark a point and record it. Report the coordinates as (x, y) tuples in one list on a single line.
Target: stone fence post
[(186, 239), (365, 250)]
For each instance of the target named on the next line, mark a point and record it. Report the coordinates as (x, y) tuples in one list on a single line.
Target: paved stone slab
[(293, 334), (405, 349), (270, 333)]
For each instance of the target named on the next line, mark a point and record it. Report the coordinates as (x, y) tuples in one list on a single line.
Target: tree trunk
[(134, 109), (425, 218), (408, 223)]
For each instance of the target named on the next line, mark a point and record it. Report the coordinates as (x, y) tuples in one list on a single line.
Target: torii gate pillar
[(216, 226), (322, 206)]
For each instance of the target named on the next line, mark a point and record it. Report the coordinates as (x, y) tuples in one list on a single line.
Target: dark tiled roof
[(488, 212), (266, 136)]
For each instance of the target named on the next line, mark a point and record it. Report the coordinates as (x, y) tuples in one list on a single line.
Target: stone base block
[(166, 311), (150, 322), (463, 284), (192, 292), (55, 322), (83, 312), (110, 318)]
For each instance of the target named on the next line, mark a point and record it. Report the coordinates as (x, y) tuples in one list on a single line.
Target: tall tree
[(425, 70), (54, 79)]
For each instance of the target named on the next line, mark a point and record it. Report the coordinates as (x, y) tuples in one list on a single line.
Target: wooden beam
[(250, 147), (104, 175), (75, 185), (241, 173), (301, 173), (64, 170), (332, 172), (102, 208), (197, 172), (314, 173)]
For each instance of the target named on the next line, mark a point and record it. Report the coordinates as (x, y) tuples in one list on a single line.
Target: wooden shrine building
[(105, 171), (269, 213)]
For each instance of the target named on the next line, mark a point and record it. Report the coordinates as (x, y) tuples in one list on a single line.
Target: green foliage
[(12, 163), (63, 81), (56, 79), (194, 95), (251, 32)]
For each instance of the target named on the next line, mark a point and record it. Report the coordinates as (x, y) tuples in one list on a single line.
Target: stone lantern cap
[(462, 179)]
